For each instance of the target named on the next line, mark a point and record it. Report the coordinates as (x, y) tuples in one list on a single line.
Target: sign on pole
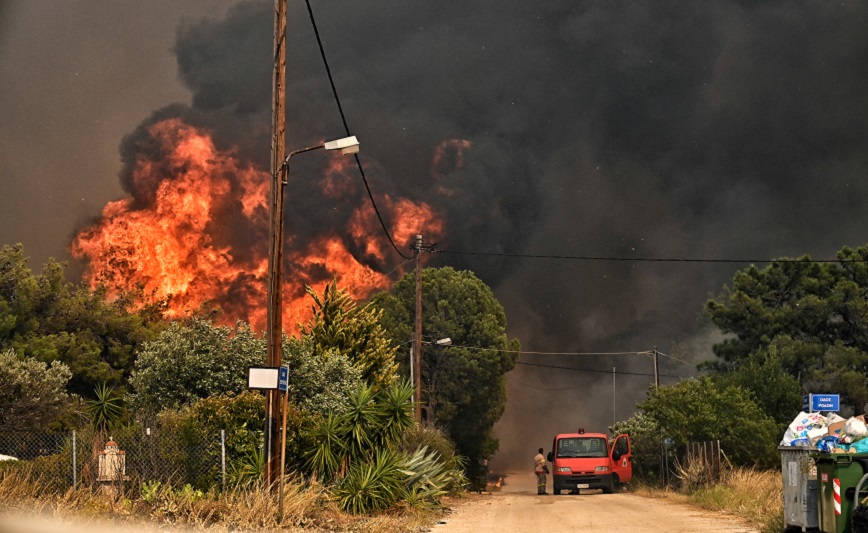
[(283, 379), (262, 377), (812, 403)]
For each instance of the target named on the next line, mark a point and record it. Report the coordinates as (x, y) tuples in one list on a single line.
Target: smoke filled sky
[(630, 129)]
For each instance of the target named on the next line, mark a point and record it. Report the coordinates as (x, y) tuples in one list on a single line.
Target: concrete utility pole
[(656, 370), (417, 337), (274, 335)]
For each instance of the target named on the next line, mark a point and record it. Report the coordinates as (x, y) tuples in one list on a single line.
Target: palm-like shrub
[(328, 447), (359, 448), (372, 485), (363, 418)]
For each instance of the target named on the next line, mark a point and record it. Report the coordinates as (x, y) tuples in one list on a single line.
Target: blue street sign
[(813, 403), (283, 378)]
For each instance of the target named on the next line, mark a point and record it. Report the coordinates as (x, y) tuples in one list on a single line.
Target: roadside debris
[(830, 433)]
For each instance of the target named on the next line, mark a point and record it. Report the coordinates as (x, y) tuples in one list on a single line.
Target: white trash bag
[(797, 433), (855, 428)]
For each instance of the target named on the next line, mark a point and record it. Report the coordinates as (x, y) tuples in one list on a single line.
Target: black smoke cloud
[(717, 129)]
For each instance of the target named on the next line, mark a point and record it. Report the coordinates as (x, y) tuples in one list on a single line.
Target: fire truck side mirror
[(549, 457), (616, 455)]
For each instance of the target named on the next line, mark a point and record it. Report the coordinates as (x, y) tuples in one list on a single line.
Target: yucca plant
[(364, 420), (329, 447), (106, 410), (247, 469), (372, 485), (397, 404)]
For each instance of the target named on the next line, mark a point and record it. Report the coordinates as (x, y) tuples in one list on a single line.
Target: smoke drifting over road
[(720, 129)]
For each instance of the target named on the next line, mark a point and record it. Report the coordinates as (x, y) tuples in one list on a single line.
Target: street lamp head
[(444, 342), (347, 145)]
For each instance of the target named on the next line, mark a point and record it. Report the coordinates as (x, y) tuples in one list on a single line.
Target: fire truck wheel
[(556, 491), (609, 487)]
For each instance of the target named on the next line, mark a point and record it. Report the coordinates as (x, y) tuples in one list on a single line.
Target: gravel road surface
[(517, 507)]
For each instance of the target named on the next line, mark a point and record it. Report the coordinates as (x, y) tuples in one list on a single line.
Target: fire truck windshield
[(581, 447)]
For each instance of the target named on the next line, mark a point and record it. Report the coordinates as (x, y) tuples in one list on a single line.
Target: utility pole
[(656, 370), (614, 418), (418, 247), (417, 337), (274, 335)]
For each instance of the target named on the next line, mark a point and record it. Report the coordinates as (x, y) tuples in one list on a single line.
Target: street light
[(274, 336), (347, 145), (417, 384)]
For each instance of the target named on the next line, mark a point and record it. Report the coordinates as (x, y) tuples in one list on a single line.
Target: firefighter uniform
[(540, 469)]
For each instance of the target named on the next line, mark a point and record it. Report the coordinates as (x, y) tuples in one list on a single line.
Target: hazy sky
[(716, 129)]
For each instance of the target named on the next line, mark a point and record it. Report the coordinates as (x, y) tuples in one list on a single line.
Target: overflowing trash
[(832, 433)]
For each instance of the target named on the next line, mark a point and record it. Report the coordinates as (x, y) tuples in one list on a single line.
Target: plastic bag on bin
[(827, 444), (800, 427), (855, 428), (857, 447)]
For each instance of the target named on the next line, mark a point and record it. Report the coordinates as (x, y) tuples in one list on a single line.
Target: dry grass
[(168, 508), (754, 495)]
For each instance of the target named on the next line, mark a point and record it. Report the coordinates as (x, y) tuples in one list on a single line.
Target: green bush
[(373, 485)]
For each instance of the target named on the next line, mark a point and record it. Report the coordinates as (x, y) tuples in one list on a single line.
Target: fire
[(195, 230)]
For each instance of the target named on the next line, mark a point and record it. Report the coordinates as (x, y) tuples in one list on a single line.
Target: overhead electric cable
[(676, 359), (521, 352), (651, 259), (520, 384), (347, 128), (597, 371)]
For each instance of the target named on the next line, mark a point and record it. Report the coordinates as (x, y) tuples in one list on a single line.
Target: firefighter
[(540, 468)]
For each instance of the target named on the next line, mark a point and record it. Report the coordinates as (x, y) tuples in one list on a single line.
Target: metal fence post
[(223, 456), (74, 467)]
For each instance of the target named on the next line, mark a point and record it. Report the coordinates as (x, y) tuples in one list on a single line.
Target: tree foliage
[(812, 317), (465, 390), (317, 383), (340, 326), (698, 410), (194, 360), (45, 317), (32, 394)]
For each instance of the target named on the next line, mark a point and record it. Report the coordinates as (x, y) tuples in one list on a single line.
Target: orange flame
[(171, 239)]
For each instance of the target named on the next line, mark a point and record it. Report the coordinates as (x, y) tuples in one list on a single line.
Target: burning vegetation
[(194, 232)]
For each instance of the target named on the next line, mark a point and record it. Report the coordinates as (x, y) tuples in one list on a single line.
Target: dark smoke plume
[(718, 129)]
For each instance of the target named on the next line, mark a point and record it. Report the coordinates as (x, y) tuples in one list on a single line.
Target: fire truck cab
[(590, 461)]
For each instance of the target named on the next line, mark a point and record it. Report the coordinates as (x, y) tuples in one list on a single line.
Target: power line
[(522, 352), (591, 370), (584, 353), (572, 387), (651, 259), (347, 129), (676, 359)]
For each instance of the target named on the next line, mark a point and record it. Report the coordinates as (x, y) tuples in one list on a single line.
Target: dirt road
[(518, 508)]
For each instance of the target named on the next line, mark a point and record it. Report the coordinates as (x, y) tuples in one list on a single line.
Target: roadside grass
[(753, 495), (242, 509)]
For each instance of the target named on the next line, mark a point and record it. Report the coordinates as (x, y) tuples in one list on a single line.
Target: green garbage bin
[(838, 476)]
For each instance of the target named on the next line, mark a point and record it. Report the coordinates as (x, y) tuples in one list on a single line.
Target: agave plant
[(428, 478)]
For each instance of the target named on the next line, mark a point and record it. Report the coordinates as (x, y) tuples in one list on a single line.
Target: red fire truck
[(590, 461)]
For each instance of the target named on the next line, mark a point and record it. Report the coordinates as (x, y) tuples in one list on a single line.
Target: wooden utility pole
[(417, 337), (274, 335)]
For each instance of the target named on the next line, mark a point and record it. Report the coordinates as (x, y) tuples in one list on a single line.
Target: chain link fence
[(142, 454)]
